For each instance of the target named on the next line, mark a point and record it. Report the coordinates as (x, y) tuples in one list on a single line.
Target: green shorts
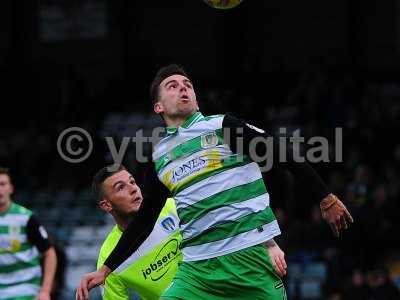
[(245, 274)]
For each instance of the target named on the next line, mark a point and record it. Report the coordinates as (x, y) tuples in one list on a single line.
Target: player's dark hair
[(5, 171), (163, 73), (101, 176)]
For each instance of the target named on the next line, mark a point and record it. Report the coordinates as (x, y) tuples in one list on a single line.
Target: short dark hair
[(101, 176), (5, 171), (163, 73)]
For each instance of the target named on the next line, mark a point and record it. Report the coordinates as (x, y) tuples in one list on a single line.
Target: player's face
[(122, 194), (177, 98), (6, 189)]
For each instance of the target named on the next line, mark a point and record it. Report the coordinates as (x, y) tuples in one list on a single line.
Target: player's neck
[(5, 205), (123, 221), (176, 121)]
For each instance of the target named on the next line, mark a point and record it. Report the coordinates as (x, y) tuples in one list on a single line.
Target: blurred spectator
[(380, 286), (358, 289)]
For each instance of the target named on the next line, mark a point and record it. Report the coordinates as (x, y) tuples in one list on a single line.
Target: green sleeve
[(115, 289)]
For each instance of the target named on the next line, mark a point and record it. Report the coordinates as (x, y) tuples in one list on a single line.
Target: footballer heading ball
[(223, 4)]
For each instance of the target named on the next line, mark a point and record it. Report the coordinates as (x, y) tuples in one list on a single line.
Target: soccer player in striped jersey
[(22, 241), (150, 269), (221, 199)]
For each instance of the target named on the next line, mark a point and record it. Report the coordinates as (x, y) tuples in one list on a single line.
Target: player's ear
[(158, 108), (105, 205)]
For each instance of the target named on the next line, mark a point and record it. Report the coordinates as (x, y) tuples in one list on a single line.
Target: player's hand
[(43, 295), (277, 257), (335, 214), (89, 281)]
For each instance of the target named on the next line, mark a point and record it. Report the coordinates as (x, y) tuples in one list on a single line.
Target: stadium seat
[(316, 270), (310, 289)]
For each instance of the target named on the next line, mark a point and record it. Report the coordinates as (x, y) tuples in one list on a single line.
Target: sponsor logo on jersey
[(188, 168), (15, 245), (162, 262), (209, 161), (5, 244), (11, 242), (168, 224), (209, 140), (9, 245)]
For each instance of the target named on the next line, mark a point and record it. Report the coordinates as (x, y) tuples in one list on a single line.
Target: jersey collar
[(189, 122), (8, 209)]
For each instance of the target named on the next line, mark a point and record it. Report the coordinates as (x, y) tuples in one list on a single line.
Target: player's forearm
[(49, 269), (131, 239), (306, 175)]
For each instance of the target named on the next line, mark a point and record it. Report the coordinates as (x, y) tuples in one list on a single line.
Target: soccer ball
[(223, 4)]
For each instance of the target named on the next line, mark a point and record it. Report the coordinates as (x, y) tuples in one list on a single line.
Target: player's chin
[(136, 205), (186, 110), (133, 210)]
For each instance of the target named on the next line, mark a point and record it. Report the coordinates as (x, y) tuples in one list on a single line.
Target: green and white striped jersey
[(20, 271), (221, 198)]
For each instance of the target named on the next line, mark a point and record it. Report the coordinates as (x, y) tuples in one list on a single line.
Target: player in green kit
[(221, 199), (24, 243)]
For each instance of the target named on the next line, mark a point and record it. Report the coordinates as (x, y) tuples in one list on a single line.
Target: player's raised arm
[(241, 134)]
